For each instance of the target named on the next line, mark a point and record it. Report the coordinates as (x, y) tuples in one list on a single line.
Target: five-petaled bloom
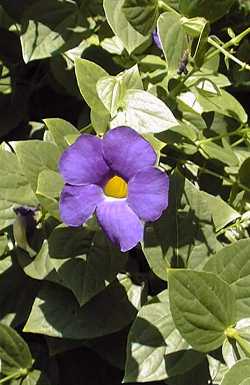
[(116, 178)]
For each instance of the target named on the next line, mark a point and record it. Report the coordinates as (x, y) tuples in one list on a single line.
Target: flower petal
[(127, 152), (148, 193), (83, 163), (120, 223), (78, 203)]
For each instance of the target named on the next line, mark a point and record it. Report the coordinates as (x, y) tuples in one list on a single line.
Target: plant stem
[(239, 131), (10, 377), (226, 179), (234, 41), (228, 54)]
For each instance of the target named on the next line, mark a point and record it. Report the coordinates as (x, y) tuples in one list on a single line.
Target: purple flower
[(156, 39), (116, 178)]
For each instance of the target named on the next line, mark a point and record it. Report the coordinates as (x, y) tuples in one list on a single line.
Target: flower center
[(116, 187)]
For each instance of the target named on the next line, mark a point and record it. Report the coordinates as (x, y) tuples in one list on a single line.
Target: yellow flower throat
[(116, 187)]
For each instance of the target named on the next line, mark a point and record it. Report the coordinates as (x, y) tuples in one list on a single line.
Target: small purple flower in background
[(156, 39), (114, 177)]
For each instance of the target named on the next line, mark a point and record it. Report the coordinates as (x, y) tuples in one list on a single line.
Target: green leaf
[(233, 266), (81, 260), (35, 156), (171, 29), (195, 26), (100, 120), (151, 340), (222, 213), (14, 352), (239, 374), (202, 306), (214, 151), (49, 28), (15, 308), (145, 113), (49, 187), (56, 313), (193, 8), (224, 104), (3, 244), (184, 235), (15, 190), (94, 265), (201, 47), (121, 27), (132, 78), (36, 377), (88, 74), (59, 129), (244, 176), (111, 92), (141, 14)]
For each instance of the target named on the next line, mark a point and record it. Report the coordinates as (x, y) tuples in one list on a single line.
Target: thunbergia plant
[(116, 177), (124, 192)]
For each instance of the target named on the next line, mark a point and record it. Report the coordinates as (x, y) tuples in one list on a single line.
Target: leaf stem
[(227, 54), (239, 131), (234, 41), (225, 178), (19, 373)]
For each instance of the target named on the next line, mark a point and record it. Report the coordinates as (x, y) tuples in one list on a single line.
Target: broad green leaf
[(59, 129), (111, 92), (171, 29), (193, 8), (217, 369), (141, 14), (100, 120), (3, 244), (244, 176), (35, 156), (111, 89), (36, 377), (56, 313), (239, 374), (232, 352), (113, 45), (81, 260), (49, 187), (88, 73), (214, 151), (232, 265), (15, 190), (222, 213), (15, 308), (224, 104), (132, 78), (145, 113), (151, 340), (184, 234), (14, 352), (41, 267), (201, 47), (193, 27), (85, 261), (49, 28), (202, 306), (117, 20)]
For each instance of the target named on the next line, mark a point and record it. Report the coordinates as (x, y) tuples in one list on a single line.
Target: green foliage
[(14, 352), (203, 307), (74, 309), (202, 8), (231, 264)]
